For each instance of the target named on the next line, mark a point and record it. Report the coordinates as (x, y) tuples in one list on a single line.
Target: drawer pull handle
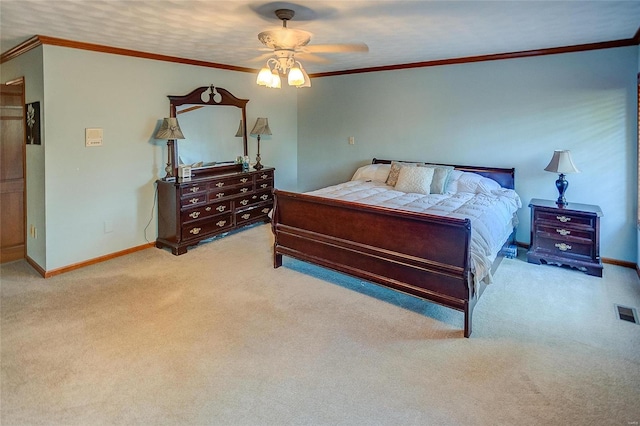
[(243, 190), (265, 210), (220, 184), (208, 208), (264, 197), (563, 219), (221, 223), (264, 176), (194, 200), (563, 246), (221, 208), (194, 215), (244, 180), (246, 216), (220, 194), (264, 185), (244, 202), (563, 232), (194, 189), (195, 231)]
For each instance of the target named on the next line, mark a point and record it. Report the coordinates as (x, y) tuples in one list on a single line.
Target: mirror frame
[(195, 98)]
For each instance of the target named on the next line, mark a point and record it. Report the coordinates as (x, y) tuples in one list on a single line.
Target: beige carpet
[(218, 336)]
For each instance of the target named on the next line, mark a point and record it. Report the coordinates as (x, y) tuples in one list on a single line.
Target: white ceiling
[(397, 32)]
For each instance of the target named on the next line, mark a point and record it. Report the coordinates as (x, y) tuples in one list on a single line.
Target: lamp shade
[(261, 127), (240, 131), (561, 163), (170, 129)]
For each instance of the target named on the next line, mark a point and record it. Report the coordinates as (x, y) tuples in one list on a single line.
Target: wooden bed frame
[(416, 253)]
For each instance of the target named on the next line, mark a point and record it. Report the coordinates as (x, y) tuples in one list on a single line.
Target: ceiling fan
[(287, 44)]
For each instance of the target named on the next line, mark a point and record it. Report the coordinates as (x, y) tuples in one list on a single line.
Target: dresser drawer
[(193, 189), (251, 199), (265, 175), (232, 181), (193, 200), (204, 211), (203, 227), (264, 184), (230, 191), (564, 218), (252, 214)]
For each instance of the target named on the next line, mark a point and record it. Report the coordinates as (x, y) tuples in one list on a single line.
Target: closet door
[(12, 179)]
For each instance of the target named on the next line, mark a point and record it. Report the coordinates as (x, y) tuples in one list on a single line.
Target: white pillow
[(375, 172), (415, 179), (472, 183), (487, 186)]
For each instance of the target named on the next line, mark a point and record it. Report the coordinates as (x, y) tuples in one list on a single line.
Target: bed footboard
[(419, 254)]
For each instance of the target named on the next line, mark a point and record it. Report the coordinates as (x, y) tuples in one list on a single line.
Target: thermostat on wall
[(93, 137)]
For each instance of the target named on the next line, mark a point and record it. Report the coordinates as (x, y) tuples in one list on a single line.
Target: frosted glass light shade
[(296, 78), (264, 77), (275, 80)]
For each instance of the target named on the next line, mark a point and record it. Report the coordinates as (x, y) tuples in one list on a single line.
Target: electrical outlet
[(352, 140), (108, 226)]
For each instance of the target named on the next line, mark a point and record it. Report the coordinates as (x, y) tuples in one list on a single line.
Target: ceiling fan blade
[(336, 48), (310, 57), (262, 57)]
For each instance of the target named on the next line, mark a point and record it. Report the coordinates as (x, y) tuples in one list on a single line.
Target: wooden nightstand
[(568, 235)]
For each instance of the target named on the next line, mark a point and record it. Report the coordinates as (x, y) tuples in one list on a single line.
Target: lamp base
[(561, 185), (258, 166)]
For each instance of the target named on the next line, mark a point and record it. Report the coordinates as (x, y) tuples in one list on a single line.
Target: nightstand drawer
[(563, 231), (565, 247), (564, 218)]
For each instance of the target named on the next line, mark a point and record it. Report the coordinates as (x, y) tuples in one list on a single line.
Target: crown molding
[(39, 40), (483, 58)]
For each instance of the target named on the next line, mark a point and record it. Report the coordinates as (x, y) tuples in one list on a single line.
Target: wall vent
[(627, 314)]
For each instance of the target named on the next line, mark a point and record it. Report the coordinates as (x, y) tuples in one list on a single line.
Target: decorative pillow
[(375, 172), (395, 171), (440, 177), (415, 179)]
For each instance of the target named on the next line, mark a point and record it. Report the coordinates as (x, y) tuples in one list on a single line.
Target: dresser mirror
[(213, 137)]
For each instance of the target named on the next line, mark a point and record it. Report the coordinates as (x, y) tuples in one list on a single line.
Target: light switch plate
[(93, 137)]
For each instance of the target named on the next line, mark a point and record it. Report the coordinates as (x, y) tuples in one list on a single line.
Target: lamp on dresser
[(170, 130), (561, 163), (260, 128)]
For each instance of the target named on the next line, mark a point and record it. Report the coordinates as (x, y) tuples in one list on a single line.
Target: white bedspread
[(492, 214)]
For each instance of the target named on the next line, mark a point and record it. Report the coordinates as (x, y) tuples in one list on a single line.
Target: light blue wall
[(115, 183), (509, 113)]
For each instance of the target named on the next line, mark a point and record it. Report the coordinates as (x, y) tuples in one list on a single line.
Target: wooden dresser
[(568, 235), (220, 201)]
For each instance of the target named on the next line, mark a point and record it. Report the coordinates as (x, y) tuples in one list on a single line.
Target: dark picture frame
[(32, 123)]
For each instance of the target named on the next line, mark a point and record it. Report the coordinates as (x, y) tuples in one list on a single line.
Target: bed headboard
[(505, 177)]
